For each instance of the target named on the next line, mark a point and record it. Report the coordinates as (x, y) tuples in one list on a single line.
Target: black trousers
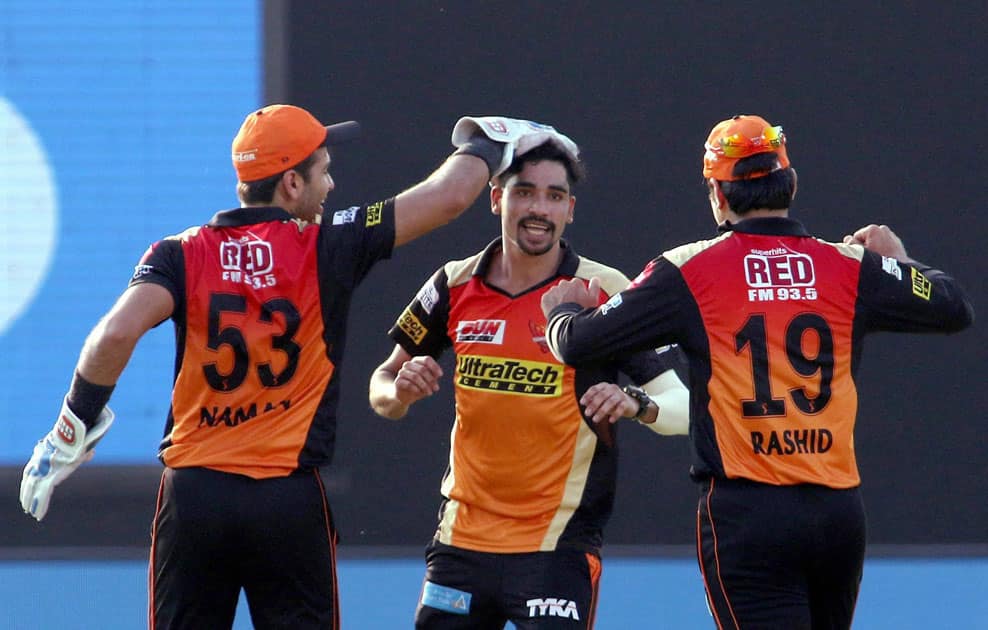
[(216, 533), (475, 590), (780, 557)]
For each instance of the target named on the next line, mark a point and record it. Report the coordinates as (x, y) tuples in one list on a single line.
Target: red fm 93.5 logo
[(778, 275), (248, 261)]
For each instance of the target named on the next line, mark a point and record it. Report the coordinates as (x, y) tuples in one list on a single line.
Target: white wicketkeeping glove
[(56, 456), (520, 136)]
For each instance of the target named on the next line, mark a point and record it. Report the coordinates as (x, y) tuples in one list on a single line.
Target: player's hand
[(518, 136), (56, 456), (606, 401), (879, 239), (586, 295), (417, 379)]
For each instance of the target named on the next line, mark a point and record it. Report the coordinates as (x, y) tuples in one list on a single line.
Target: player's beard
[(311, 209), (535, 250)]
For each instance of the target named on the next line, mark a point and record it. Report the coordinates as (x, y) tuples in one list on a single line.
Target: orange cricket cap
[(740, 137), (275, 138)]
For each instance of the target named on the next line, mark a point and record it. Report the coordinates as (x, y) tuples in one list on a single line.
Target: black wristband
[(87, 400), (486, 149)]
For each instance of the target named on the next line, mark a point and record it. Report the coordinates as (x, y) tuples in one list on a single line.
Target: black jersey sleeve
[(163, 264), (672, 357), (641, 367), (354, 239), (895, 296), (421, 329)]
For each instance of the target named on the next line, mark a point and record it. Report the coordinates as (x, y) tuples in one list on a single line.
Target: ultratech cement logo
[(374, 214), (509, 376), (412, 326), (922, 287)]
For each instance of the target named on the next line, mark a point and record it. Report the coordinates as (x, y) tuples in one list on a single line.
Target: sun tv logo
[(552, 607), (248, 260), (779, 274), (481, 331)]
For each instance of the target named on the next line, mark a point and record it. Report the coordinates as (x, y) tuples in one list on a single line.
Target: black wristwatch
[(642, 397)]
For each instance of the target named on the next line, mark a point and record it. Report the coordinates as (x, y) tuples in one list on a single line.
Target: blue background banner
[(117, 119)]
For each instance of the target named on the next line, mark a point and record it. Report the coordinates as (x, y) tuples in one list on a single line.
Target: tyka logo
[(248, 260), (552, 607)]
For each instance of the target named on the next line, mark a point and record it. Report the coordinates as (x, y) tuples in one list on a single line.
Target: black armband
[(486, 149), (87, 400)]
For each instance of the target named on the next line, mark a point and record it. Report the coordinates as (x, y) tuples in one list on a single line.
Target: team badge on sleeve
[(412, 326), (891, 267), (922, 287), (428, 297), (141, 271), (375, 212), (611, 304), (344, 216)]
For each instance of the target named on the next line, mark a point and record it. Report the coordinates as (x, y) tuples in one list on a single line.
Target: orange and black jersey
[(527, 471), (261, 303), (772, 321)]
